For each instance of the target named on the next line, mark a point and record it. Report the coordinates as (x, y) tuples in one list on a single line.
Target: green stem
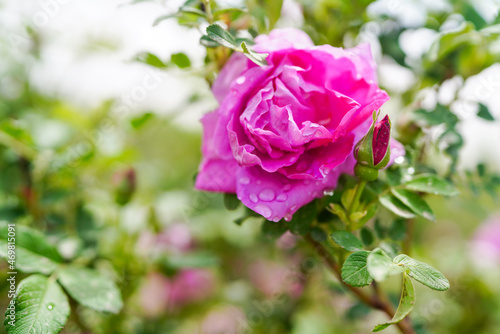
[(208, 11), (357, 195)]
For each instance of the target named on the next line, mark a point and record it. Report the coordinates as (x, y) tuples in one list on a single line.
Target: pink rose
[(285, 132), (191, 285)]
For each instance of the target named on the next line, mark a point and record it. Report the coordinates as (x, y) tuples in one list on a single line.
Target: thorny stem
[(377, 300)]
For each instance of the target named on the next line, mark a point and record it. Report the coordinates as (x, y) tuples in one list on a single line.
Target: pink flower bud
[(380, 142)]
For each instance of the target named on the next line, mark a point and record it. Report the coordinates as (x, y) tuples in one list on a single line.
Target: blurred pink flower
[(174, 238), (287, 241), (273, 278), (190, 285), (159, 294), (153, 295), (486, 242), (223, 321)]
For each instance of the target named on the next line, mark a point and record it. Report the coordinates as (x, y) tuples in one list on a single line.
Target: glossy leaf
[(414, 202), (423, 273), (221, 36), (380, 265), (347, 240), (432, 184), (257, 58), (90, 288), (41, 307), (396, 206), (354, 270), (406, 304), (34, 253)]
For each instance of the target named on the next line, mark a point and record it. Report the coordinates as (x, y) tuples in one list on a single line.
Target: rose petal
[(275, 196), (285, 38), (216, 171)]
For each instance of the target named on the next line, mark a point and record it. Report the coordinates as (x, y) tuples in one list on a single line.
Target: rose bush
[(285, 132)]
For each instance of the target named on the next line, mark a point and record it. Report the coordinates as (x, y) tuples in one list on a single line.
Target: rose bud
[(373, 151), (125, 184)]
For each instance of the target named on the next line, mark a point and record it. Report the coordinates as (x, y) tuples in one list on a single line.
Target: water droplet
[(293, 208), (50, 306), (318, 134), (411, 170), (240, 80), (288, 217), (287, 187), (244, 180), (399, 160), (315, 194), (253, 198), (264, 210), (281, 198), (276, 219), (328, 193), (267, 195)]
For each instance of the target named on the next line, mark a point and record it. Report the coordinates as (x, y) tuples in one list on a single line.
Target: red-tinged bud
[(125, 184), (380, 142), (373, 151)]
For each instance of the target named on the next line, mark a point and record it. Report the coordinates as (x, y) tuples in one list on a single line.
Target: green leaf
[(432, 184), (423, 273), (40, 307), (257, 58), (34, 254), (450, 40), (380, 265), (208, 42), (441, 114), (414, 202), (180, 60), (163, 18), (90, 288), (150, 59), (231, 202), (139, 121), (274, 230), (367, 236), (398, 230), (396, 206), (347, 240), (354, 270), (192, 260), (406, 304), (221, 36), (484, 113)]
